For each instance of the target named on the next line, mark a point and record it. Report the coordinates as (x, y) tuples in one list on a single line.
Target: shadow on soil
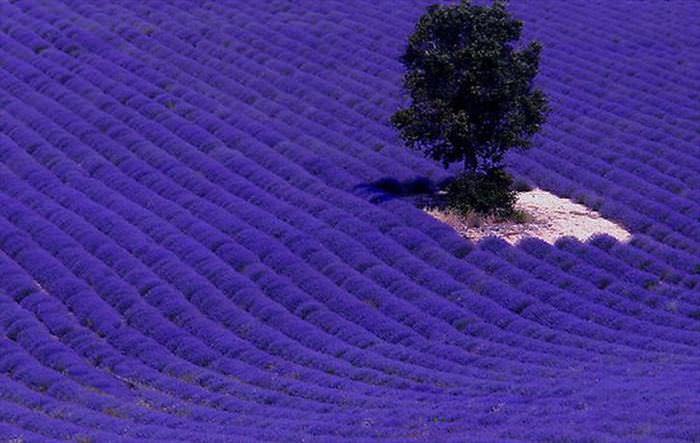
[(420, 190)]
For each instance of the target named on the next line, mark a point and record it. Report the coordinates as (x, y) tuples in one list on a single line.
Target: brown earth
[(547, 217)]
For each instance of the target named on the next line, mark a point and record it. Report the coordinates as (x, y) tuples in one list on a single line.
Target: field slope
[(203, 235)]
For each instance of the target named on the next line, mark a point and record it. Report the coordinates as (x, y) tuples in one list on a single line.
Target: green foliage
[(521, 185), (471, 90), (488, 193)]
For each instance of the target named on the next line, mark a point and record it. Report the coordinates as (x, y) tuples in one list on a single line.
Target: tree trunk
[(470, 161)]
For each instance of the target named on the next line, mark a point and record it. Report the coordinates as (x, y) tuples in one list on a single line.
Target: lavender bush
[(193, 247)]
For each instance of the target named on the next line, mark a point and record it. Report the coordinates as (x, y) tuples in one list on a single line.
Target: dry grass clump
[(473, 219)]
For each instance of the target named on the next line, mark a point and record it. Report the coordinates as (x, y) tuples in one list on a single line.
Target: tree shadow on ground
[(421, 191)]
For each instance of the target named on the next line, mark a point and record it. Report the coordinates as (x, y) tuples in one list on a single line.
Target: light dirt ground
[(551, 218)]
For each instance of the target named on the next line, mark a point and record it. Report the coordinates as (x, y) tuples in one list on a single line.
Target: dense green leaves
[(471, 90), (488, 193)]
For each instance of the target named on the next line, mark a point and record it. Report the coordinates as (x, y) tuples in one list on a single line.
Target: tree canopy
[(471, 88)]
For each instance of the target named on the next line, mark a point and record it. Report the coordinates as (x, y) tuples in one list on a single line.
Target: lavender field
[(201, 237)]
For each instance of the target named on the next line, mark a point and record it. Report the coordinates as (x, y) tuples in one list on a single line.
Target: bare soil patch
[(543, 215)]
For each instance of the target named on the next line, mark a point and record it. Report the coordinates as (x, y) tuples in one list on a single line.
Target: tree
[(472, 90)]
